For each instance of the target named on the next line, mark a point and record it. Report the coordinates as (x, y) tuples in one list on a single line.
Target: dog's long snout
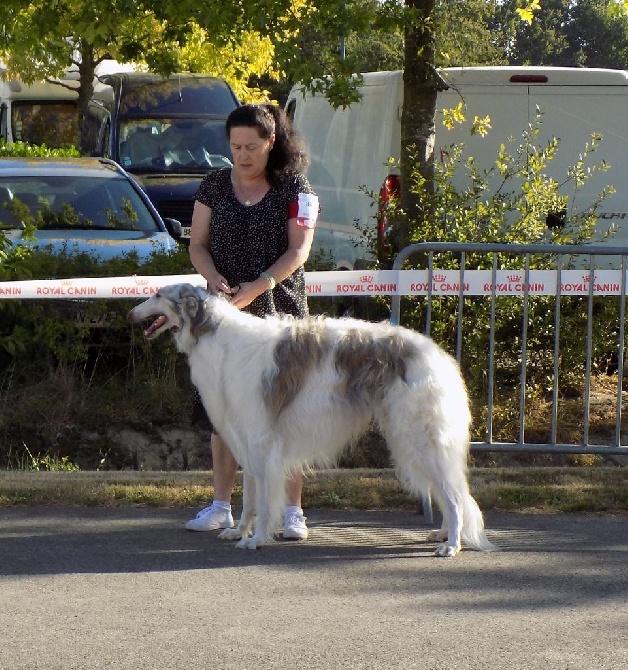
[(132, 315), (138, 313)]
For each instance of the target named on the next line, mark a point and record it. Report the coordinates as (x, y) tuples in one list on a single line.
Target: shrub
[(34, 150), (527, 206)]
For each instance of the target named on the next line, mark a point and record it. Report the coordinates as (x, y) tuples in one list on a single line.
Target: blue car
[(80, 204)]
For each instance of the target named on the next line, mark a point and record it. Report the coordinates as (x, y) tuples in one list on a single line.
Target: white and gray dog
[(288, 393)]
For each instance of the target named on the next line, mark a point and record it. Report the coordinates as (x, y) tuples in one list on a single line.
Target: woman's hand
[(216, 283), (244, 294)]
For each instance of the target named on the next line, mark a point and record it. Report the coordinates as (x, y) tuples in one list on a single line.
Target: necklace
[(253, 195)]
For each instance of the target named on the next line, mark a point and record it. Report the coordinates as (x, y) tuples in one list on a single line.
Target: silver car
[(80, 204)]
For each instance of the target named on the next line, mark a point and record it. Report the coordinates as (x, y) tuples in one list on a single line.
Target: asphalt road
[(130, 588)]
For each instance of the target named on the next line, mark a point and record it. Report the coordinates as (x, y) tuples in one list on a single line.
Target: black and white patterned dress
[(245, 240)]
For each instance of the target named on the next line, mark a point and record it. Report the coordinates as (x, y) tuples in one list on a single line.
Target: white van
[(351, 147), (39, 113), (46, 112)]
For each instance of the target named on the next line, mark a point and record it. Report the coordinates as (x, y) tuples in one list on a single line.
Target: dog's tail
[(473, 533)]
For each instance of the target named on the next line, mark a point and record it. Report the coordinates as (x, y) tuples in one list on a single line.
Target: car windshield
[(70, 202), (173, 145)]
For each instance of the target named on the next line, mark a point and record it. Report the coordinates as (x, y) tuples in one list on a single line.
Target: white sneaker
[(294, 527), (211, 518)]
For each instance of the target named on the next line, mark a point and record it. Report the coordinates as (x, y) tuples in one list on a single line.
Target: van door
[(486, 93), (349, 151), (572, 114)]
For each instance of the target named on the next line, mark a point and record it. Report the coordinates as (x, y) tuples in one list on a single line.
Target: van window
[(96, 129), (40, 122), (291, 108), (3, 122)]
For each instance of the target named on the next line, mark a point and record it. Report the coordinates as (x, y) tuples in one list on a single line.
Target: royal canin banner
[(474, 282), (351, 283)]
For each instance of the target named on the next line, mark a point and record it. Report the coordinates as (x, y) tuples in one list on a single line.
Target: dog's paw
[(446, 550), (437, 535), (230, 534), (253, 542)]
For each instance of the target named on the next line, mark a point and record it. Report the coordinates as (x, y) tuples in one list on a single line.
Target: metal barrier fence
[(567, 272), (600, 273)]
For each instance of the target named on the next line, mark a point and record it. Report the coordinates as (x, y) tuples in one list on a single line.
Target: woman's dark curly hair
[(289, 155)]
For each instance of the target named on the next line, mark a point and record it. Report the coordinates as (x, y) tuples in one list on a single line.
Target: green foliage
[(67, 366), (23, 149), (508, 202), (39, 463), (40, 329), (464, 35), (587, 33)]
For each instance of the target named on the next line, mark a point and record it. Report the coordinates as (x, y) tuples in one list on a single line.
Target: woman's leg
[(225, 468), (218, 514), (294, 527), (294, 490)]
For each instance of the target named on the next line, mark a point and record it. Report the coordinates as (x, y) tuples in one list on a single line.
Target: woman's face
[(249, 151)]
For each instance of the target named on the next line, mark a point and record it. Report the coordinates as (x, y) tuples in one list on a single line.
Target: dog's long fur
[(287, 393)]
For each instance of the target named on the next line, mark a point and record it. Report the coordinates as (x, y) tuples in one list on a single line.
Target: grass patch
[(597, 489)]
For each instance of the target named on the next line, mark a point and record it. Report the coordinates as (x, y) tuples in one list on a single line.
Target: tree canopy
[(42, 38), (587, 33)]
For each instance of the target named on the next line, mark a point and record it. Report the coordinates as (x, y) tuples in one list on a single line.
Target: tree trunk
[(421, 84), (87, 68)]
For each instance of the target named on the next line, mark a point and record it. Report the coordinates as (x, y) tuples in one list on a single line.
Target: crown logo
[(366, 278), (141, 282), (66, 282), (586, 277), (514, 277), (439, 277)]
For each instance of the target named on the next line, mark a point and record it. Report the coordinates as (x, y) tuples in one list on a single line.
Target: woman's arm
[(299, 244), (199, 249)]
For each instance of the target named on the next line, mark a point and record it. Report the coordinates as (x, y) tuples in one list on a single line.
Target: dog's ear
[(191, 304), (206, 318), (190, 298)]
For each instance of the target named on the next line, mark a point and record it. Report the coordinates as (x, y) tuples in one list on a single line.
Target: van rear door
[(572, 111)]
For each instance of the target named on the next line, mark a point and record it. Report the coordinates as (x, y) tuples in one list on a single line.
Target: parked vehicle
[(84, 204), (46, 112), (167, 132), (39, 113), (351, 147)]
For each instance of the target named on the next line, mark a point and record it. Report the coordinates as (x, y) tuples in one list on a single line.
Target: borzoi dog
[(287, 393)]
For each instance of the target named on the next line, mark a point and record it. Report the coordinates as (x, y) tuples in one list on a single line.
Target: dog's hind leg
[(427, 460), (245, 525), (450, 534), (270, 500), (449, 490)]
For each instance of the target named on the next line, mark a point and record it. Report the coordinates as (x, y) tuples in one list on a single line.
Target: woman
[(252, 231)]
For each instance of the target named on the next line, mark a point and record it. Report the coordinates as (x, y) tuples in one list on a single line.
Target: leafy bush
[(60, 376), (33, 330), (513, 201), (34, 150)]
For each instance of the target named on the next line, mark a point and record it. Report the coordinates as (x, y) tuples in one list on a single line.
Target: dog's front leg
[(245, 526), (270, 500)]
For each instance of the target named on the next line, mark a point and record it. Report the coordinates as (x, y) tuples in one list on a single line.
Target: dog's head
[(182, 309)]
